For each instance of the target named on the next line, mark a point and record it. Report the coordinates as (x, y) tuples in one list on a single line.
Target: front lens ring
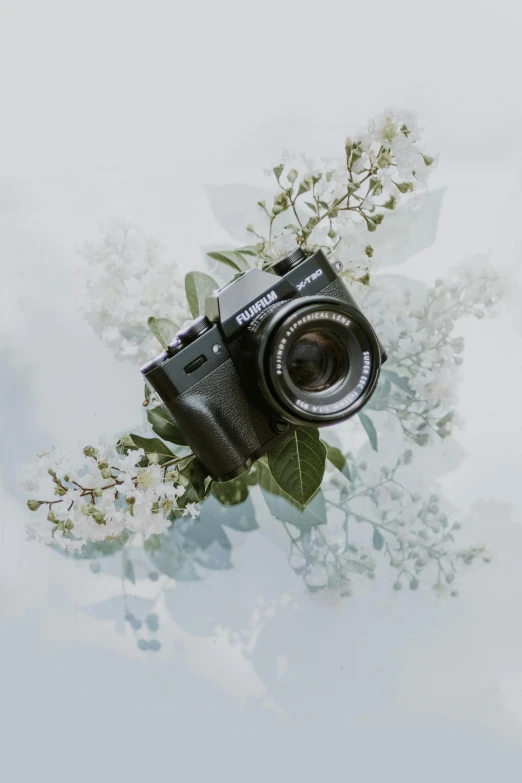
[(287, 324)]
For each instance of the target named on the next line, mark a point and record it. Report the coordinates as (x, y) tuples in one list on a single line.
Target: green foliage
[(298, 463), (163, 330), (337, 458), (233, 492), (283, 506), (164, 425), (153, 447), (240, 260), (198, 482), (197, 287)]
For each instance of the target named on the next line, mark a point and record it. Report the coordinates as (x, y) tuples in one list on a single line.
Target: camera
[(275, 350)]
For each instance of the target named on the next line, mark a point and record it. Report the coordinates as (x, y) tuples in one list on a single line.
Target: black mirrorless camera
[(274, 351)]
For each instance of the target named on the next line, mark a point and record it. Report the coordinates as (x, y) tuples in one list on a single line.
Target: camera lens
[(314, 359), (317, 361)]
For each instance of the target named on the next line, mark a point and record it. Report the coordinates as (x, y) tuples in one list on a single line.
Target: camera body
[(274, 351)]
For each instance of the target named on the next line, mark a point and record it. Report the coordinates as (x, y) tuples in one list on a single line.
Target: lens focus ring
[(314, 359)]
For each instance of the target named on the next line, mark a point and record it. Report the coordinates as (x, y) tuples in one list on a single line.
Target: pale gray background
[(129, 109)]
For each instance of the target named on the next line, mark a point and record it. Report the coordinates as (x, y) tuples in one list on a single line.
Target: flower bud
[(98, 517), (304, 186), (292, 175), (33, 505), (404, 187), (390, 204), (384, 160)]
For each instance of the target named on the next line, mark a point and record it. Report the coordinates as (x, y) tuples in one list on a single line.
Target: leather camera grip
[(219, 425)]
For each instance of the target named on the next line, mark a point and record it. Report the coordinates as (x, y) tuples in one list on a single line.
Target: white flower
[(418, 334), (100, 499), (129, 279)]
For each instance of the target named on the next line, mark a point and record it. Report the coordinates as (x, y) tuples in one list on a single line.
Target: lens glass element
[(317, 361)]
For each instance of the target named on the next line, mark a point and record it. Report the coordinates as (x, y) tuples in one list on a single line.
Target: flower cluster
[(337, 205), (109, 496), (129, 280), (377, 514), (418, 330)]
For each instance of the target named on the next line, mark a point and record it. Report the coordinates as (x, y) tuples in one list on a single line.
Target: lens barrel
[(316, 360)]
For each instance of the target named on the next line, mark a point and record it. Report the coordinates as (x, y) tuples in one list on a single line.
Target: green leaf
[(378, 540), (369, 426), (297, 464), (165, 425), (149, 445), (337, 458), (283, 507), (399, 380), (198, 483), (198, 286), (163, 329), (234, 258), (129, 572), (231, 493)]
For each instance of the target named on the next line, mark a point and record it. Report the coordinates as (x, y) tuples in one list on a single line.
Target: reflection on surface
[(370, 525)]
